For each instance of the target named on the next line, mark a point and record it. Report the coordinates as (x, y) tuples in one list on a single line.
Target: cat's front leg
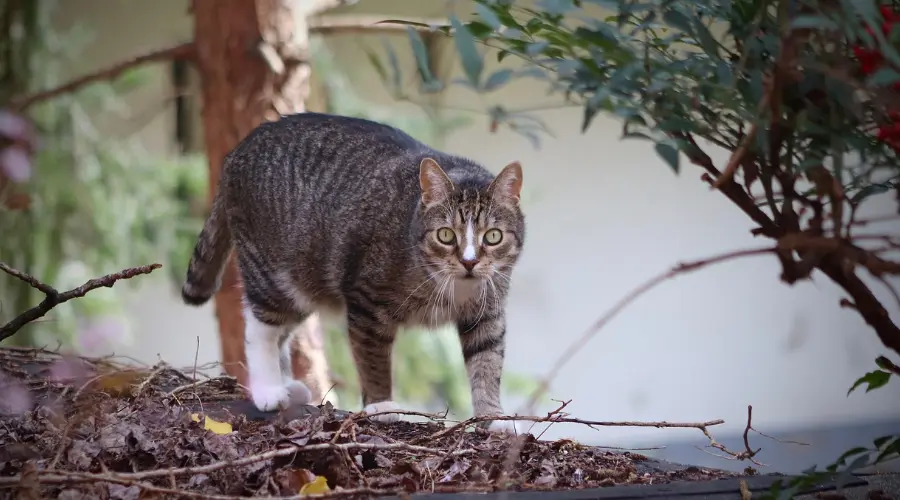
[(483, 347), (371, 345)]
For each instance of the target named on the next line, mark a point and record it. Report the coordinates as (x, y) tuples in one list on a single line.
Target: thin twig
[(54, 298), (143, 385), (194, 385), (747, 454), (568, 420), (183, 51)]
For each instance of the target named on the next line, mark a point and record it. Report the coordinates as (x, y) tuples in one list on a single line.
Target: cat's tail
[(204, 274)]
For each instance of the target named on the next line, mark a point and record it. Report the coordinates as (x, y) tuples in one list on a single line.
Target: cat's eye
[(446, 235), (493, 237)]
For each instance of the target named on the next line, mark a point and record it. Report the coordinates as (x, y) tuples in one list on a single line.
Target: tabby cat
[(342, 215)]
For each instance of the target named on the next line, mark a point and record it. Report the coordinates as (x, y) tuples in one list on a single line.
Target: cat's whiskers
[(447, 289), (483, 300), (496, 296), (430, 277), (435, 297)]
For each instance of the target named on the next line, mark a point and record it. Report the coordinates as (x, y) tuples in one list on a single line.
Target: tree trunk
[(251, 55)]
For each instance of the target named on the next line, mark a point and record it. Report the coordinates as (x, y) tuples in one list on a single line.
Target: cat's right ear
[(435, 184)]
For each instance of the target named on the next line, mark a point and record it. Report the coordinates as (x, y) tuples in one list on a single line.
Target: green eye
[(493, 237), (446, 235)]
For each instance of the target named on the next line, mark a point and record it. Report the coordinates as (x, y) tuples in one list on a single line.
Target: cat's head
[(470, 230)]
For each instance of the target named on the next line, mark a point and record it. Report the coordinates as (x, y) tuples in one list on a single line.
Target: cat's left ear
[(433, 181), (508, 183)]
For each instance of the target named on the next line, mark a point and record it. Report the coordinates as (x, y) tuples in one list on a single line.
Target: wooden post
[(252, 56)]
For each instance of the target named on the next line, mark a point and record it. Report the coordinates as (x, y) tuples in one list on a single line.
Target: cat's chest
[(446, 304)]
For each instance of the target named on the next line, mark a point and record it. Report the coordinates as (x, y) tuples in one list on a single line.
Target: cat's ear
[(435, 184), (508, 183)]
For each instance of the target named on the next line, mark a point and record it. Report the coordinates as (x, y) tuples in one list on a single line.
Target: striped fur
[(336, 214)]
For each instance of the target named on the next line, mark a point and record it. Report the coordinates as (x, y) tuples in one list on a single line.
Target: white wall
[(604, 216)]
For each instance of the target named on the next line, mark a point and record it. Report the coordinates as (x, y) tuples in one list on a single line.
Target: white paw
[(269, 397), (504, 427), (383, 406), (298, 393)]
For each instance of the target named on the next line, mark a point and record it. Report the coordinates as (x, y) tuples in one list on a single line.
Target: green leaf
[(396, 73), (533, 49), (669, 154), (812, 22), (883, 77), (465, 45), (375, 61), (889, 452), (866, 192), (677, 20), (879, 442), (676, 124), (488, 16), (403, 22), (849, 453), (707, 42), (497, 79), (874, 379), (884, 363), (556, 6), (421, 54)]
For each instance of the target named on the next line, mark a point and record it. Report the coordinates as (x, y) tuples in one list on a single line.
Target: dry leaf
[(213, 425), (318, 486), (116, 383)]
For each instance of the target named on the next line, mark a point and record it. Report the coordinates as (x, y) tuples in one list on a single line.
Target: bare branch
[(183, 51), (635, 294), (55, 298)]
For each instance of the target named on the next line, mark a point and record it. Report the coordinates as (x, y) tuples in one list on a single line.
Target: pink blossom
[(15, 164), (69, 369), (98, 335), (16, 398), (15, 128)]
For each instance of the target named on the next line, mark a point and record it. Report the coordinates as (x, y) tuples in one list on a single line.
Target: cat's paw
[(504, 427), (298, 393), (269, 397), (383, 406)]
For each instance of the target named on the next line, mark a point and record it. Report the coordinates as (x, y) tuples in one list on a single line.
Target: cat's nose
[(469, 264)]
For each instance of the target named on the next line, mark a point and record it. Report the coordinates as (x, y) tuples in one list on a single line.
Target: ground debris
[(91, 428)]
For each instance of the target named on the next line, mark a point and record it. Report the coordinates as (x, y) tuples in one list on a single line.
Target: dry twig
[(54, 298), (632, 296), (64, 477)]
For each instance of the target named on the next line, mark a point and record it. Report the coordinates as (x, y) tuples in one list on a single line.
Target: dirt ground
[(75, 428)]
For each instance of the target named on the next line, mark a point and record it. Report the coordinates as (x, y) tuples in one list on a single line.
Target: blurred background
[(120, 178)]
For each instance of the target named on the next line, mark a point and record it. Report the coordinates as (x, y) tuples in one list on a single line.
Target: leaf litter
[(78, 428)]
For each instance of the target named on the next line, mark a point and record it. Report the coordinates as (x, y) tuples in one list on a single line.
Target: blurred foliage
[(658, 67), (428, 366), (97, 205)]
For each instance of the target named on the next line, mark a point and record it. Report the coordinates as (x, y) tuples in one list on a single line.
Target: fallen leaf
[(318, 486), (213, 425)]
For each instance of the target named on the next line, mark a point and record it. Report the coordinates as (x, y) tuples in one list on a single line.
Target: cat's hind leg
[(270, 316), (262, 336)]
